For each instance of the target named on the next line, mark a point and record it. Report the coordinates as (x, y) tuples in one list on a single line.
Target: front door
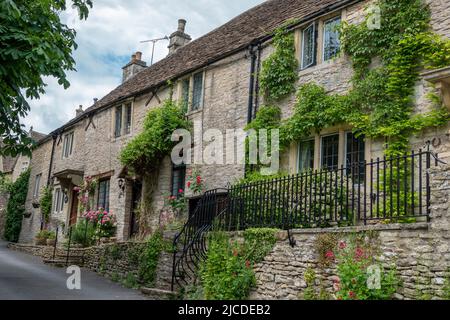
[(136, 199), (74, 208)]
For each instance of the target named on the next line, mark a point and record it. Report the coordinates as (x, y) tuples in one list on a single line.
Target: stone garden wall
[(420, 252)]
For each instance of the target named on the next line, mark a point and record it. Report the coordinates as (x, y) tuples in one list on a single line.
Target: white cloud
[(110, 35)]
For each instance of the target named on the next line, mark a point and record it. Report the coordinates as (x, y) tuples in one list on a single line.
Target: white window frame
[(339, 17), (66, 153), (37, 184), (313, 25)]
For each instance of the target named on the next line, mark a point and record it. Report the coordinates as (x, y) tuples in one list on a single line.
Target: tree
[(34, 43)]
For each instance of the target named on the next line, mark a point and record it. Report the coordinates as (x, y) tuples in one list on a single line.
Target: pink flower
[(359, 253), (351, 294), (199, 179), (189, 184), (180, 191), (342, 245), (329, 255)]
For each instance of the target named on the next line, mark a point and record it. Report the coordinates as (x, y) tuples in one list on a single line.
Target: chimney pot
[(79, 110), (138, 55), (181, 25), (95, 100)]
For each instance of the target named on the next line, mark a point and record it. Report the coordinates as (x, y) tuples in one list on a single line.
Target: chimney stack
[(79, 111), (133, 67), (179, 38)]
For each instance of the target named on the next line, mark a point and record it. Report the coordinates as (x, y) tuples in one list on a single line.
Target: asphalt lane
[(26, 277)]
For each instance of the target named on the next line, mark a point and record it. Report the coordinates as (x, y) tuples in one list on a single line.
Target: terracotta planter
[(51, 242)]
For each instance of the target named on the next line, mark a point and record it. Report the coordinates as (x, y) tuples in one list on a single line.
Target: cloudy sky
[(107, 39)]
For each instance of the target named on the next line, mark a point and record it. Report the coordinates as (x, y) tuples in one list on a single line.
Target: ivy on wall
[(45, 203), (16, 206), (147, 149), (279, 71), (380, 103)]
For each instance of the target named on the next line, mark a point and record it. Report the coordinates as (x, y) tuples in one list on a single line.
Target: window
[(118, 122), (331, 43), (309, 46), (103, 195), (185, 93), (330, 152), (197, 91), (178, 179), (306, 155), (58, 200), (67, 145), (128, 115), (37, 182), (355, 155)]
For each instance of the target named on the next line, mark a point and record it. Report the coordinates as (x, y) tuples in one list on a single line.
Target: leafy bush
[(148, 261), (16, 206), (84, 233), (45, 203), (148, 148)]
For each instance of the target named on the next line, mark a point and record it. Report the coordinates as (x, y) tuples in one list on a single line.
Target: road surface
[(26, 277)]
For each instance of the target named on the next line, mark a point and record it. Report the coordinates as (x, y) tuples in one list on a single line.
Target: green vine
[(380, 103), (16, 206), (279, 71), (45, 203), (147, 149)]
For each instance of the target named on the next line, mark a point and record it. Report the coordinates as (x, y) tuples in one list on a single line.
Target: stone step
[(159, 294)]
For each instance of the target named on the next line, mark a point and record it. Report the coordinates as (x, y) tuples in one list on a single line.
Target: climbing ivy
[(147, 149), (16, 206), (380, 103), (279, 71), (45, 203)]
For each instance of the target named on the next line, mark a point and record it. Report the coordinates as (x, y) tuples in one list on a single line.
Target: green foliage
[(115, 252), (446, 289), (279, 71), (352, 261), (84, 233), (148, 260), (45, 203), (16, 206), (130, 281), (227, 273), (35, 44), (325, 243), (310, 292), (147, 149), (45, 234)]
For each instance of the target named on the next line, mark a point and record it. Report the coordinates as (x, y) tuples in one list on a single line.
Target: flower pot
[(40, 241), (51, 242)]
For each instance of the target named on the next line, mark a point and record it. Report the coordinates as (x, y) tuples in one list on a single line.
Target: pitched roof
[(233, 36)]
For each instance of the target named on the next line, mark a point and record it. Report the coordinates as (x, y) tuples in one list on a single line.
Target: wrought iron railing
[(395, 189)]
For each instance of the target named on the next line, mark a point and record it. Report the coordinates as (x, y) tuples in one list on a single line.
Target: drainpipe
[(251, 87), (54, 136)]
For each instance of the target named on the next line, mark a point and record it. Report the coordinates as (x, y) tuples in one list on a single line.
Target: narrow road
[(25, 277)]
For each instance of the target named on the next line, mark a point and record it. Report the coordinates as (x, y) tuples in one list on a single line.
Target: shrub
[(83, 233), (45, 203), (16, 206), (148, 261)]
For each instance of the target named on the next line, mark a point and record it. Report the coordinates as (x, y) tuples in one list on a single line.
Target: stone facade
[(420, 252), (224, 106)]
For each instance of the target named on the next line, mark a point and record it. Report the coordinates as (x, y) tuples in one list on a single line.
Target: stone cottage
[(214, 75)]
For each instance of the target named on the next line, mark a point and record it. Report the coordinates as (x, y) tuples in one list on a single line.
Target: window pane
[(103, 195), (306, 155), (128, 118), (57, 199), (118, 122), (331, 44), (178, 179), (197, 91), (70, 143), (61, 202), (185, 94), (330, 149), (355, 156), (309, 49), (36, 185)]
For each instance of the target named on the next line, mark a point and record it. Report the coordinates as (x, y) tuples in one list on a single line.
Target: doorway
[(136, 199), (74, 208)]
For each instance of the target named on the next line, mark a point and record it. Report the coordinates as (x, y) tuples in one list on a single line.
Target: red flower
[(329, 255), (351, 294), (180, 191), (235, 252), (199, 179), (247, 263), (359, 253), (342, 245), (189, 184)]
